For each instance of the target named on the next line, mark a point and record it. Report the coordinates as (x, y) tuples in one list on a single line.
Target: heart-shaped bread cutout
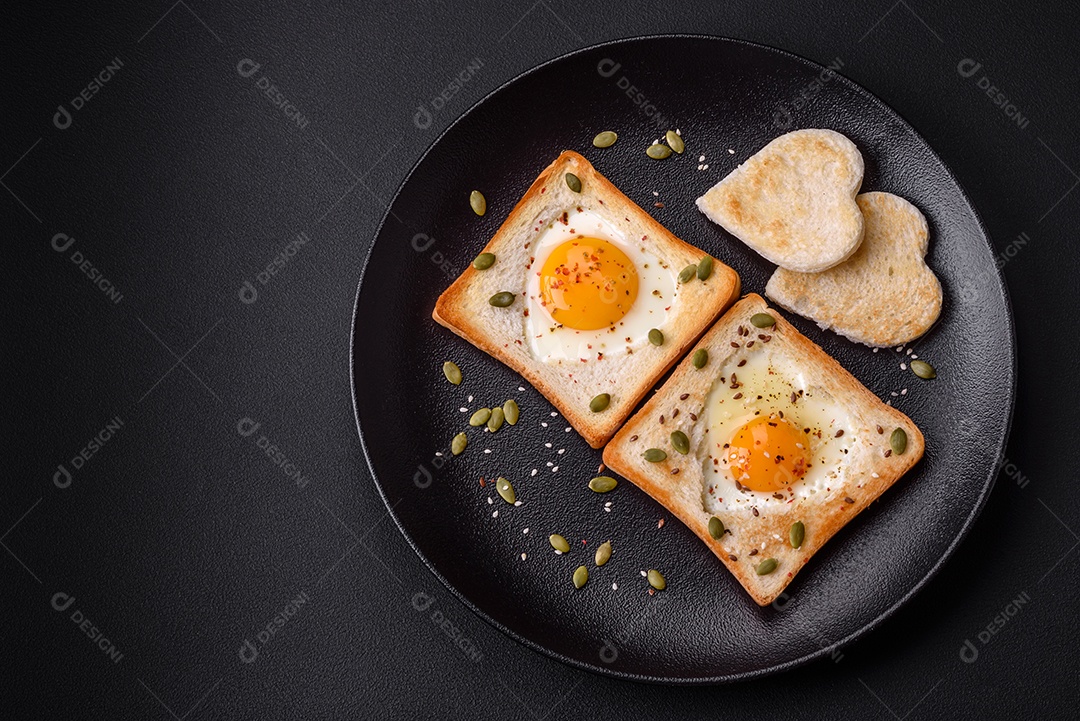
[(794, 200), (884, 294)]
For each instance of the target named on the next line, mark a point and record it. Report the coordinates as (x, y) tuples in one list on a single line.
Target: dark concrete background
[(179, 539)]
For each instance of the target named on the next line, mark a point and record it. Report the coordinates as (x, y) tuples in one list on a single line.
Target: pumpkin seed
[(603, 553), (478, 202), (796, 534), (766, 567), (923, 369), (505, 490), (675, 141), (581, 576), (656, 337), (496, 420), (762, 320), (599, 403), (458, 444), (502, 300), (452, 372), (680, 442), (603, 484), (654, 455), (700, 358), (656, 579), (559, 543), (687, 274), (511, 412), (573, 182), (898, 441), (704, 268), (605, 139), (658, 152), (716, 528), (480, 417), (484, 261)]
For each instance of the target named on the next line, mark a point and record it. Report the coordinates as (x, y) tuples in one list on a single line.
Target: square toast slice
[(627, 368), (857, 429)]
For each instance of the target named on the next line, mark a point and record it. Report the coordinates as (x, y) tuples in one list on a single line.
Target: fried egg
[(592, 292), (770, 432)]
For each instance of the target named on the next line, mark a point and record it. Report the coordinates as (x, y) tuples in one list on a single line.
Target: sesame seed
[(490, 501), (903, 366), (547, 445), (903, 392), (487, 450), (463, 410), (533, 472), (517, 503), (701, 159), (525, 530), (523, 557), (644, 574), (555, 469), (494, 514), (561, 451), (614, 587), (543, 424), (470, 399)]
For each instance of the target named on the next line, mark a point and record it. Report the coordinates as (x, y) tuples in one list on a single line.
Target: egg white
[(766, 382), (657, 293)]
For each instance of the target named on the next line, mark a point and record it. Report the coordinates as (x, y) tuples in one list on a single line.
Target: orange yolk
[(587, 284), (768, 454)]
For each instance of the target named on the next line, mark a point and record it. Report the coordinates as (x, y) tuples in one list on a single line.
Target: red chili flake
[(652, 592), (483, 483)]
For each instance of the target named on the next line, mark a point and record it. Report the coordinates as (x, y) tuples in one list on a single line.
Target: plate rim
[(984, 493)]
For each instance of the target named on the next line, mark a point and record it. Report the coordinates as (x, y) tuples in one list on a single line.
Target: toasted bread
[(794, 200), (884, 294), (628, 369), (758, 523)]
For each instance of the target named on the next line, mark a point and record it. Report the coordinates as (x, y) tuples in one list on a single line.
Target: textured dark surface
[(180, 538), (703, 627)]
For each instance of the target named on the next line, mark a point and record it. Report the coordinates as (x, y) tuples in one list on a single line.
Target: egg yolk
[(768, 454), (587, 284)]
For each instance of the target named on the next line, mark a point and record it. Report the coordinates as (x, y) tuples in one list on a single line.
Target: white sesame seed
[(894, 394), (909, 351), (555, 469), (607, 510), (561, 451), (550, 464), (566, 430), (547, 445), (487, 450), (533, 472), (463, 409), (874, 475), (490, 501), (678, 132), (523, 557), (607, 505), (438, 454), (494, 514), (521, 388), (554, 414), (525, 530), (644, 574), (543, 424), (701, 159), (614, 587), (655, 193), (705, 167), (903, 366), (875, 350), (914, 356), (699, 167), (517, 503), (899, 348), (558, 552)]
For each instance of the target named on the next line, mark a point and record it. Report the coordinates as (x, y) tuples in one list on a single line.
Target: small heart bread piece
[(775, 382), (794, 200), (883, 295), (573, 363)]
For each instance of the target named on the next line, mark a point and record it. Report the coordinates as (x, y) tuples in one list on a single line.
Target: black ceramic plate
[(722, 94)]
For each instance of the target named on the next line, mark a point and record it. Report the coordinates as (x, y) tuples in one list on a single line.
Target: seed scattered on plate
[(605, 139), (458, 444), (581, 576), (478, 202), (452, 372), (603, 553), (505, 490), (559, 543), (923, 369), (656, 579), (675, 141), (603, 484), (658, 152)]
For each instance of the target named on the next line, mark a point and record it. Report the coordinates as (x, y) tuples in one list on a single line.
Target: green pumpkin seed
[(497, 417), (480, 417), (656, 579), (581, 576), (687, 274), (511, 412), (605, 139), (484, 261), (923, 369), (603, 484), (654, 455), (796, 534), (656, 337), (502, 300), (658, 152), (478, 202), (458, 444), (716, 528), (559, 543), (766, 567), (505, 490), (573, 182), (680, 442), (700, 358), (599, 403), (603, 553), (704, 268), (898, 441), (452, 372), (762, 320), (675, 141)]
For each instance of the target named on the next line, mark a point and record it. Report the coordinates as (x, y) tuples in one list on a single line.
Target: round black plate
[(723, 94)]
